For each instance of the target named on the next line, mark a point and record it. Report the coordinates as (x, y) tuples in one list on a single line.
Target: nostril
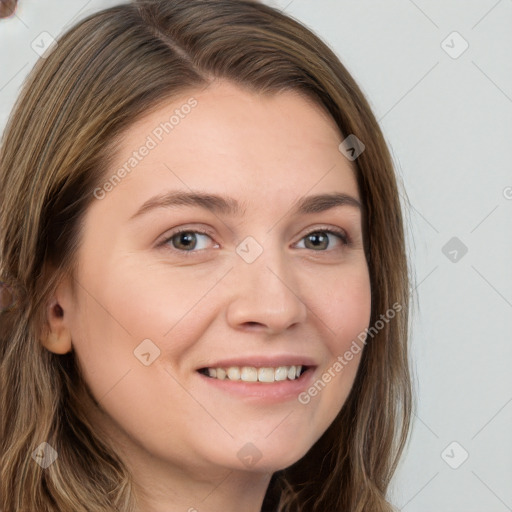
[(251, 323)]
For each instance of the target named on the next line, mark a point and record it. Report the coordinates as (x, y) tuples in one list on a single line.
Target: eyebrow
[(230, 206)]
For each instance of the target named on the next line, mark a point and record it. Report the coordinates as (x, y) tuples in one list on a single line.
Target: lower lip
[(268, 392)]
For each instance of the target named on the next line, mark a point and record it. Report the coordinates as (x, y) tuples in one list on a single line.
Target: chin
[(269, 461)]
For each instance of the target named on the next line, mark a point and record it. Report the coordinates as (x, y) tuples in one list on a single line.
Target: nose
[(266, 294)]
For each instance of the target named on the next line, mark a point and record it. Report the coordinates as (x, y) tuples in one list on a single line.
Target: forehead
[(228, 139)]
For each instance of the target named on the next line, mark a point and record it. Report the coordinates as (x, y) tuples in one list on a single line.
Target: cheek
[(342, 312), (102, 344), (170, 306), (110, 340), (127, 306), (344, 307)]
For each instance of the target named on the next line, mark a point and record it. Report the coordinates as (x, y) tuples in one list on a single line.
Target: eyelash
[(345, 240)]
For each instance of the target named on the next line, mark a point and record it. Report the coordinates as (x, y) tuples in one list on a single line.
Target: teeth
[(266, 375), (252, 374), (281, 373), (233, 373), (249, 374)]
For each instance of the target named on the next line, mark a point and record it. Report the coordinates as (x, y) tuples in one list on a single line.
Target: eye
[(185, 240), (319, 239)]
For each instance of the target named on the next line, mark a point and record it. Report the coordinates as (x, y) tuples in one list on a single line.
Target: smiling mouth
[(253, 374)]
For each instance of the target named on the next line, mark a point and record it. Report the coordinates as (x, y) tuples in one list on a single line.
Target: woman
[(204, 272)]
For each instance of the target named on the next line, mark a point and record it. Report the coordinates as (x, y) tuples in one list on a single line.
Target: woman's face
[(263, 284)]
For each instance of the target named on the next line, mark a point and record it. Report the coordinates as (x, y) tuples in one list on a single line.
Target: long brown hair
[(104, 74)]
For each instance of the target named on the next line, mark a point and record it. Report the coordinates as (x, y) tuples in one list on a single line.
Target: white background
[(448, 122)]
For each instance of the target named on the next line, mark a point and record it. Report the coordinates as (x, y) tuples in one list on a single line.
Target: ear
[(56, 335)]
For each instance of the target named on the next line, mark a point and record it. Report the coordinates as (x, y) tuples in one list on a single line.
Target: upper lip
[(262, 361)]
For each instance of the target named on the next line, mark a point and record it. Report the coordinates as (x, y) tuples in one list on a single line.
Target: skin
[(178, 435)]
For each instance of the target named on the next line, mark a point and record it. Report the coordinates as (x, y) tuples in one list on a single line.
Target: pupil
[(186, 237), (317, 238)]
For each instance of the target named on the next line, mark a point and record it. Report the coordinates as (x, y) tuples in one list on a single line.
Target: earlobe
[(57, 336), (58, 343)]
